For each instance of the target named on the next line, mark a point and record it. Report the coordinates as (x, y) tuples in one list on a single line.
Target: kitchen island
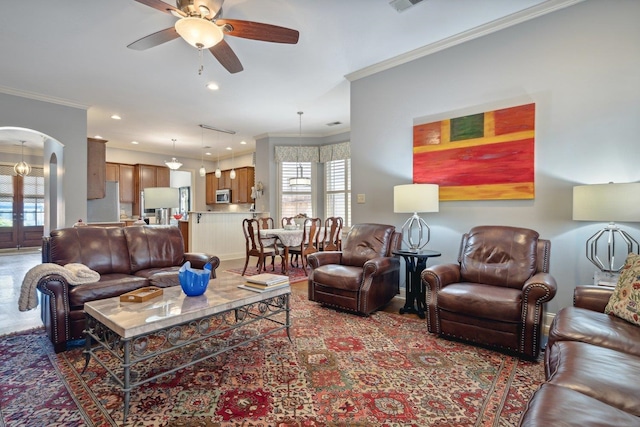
[(219, 233)]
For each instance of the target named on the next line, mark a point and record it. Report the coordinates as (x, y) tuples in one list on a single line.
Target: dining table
[(289, 238)]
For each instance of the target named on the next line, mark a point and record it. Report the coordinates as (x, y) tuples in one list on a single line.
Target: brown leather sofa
[(127, 258), (495, 294), (363, 276), (592, 362)]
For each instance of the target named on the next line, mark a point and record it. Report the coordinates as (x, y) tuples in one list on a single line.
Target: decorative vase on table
[(194, 281)]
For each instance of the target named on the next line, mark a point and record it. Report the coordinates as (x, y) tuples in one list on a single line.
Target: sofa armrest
[(379, 266), (317, 259), (593, 298), (198, 260), (55, 309)]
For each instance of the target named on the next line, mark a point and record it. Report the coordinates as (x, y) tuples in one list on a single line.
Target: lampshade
[(607, 202), (410, 198), (161, 197), (198, 32)]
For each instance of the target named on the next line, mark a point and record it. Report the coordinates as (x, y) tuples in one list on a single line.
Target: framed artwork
[(485, 156)]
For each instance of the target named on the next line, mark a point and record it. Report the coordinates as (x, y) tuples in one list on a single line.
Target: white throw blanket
[(74, 274)]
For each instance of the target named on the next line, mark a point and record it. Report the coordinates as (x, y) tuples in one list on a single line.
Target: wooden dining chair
[(310, 240), (269, 223), (287, 220), (332, 236), (255, 246)]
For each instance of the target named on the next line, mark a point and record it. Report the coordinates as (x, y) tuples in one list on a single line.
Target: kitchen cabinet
[(122, 173), (211, 186), (240, 187), (96, 168)]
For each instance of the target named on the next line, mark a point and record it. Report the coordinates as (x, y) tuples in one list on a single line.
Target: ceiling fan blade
[(155, 39), (259, 31), (227, 57), (161, 6)]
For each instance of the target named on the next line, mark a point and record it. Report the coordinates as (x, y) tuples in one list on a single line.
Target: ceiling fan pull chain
[(201, 61)]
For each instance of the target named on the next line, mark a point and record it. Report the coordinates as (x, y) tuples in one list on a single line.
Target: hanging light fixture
[(174, 163), (218, 171), (300, 180), (22, 168), (202, 170), (232, 174)]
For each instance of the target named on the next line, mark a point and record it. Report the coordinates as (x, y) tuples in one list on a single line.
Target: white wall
[(579, 65)]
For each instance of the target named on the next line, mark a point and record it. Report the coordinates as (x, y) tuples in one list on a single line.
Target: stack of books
[(265, 281)]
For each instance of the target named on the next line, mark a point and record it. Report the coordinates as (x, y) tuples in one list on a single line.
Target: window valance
[(315, 154), (294, 153), (331, 152)]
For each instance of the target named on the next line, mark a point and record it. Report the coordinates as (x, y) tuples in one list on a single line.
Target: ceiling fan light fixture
[(198, 32)]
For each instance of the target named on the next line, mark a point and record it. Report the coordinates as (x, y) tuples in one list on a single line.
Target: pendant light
[(218, 171), (202, 171), (22, 168), (300, 180), (174, 163), (232, 174)]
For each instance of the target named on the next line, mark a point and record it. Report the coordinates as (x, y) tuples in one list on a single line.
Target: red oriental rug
[(340, 370), (295, 274)]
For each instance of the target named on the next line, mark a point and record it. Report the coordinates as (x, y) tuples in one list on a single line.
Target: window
[(295, 200), (338, 189), (33, 198)]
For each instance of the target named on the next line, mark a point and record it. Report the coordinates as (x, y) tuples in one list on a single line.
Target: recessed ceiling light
[(229, 148), (116, 117), (98, 137), (207, 154), (243, 142), (213, 86), (135, 142)]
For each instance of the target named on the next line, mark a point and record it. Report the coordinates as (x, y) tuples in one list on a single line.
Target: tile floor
[(15, 264)]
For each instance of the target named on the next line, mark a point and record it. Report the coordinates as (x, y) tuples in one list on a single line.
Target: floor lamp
[(609, 203), (161, 199)]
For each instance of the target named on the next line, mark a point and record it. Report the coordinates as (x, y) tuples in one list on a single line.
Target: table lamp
[(414, 198), (607, 202), (161, 199)]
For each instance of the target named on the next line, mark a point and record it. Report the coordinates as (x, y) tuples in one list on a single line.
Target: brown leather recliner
[(496, 293), (363, 276)]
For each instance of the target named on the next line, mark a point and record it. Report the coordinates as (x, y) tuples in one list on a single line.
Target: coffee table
[(135, 332)]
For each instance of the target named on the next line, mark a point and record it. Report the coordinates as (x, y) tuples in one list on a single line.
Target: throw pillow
[(625, 301)]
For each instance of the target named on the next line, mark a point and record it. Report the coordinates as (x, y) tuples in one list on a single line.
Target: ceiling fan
[(201, 26)]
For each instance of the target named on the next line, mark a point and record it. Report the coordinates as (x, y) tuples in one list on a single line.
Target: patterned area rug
[(295, 274), (340, 370)]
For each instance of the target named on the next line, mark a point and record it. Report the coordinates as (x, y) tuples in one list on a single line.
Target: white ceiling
[(74, 52)]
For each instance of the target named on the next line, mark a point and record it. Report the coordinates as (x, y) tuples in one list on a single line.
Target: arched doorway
[(29, 205)]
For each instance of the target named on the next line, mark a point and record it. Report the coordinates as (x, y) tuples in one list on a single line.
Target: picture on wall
[(485, 156)]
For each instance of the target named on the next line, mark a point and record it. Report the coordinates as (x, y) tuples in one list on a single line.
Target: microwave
[(223, 196)]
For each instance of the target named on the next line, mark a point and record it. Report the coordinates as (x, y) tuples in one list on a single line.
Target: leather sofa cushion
[(110, 285), (579, 324), (483, 301), (102, 249), (161, 277), (339, 276), (576, 410), (154, 247), (504, 256), (365, 242), (604, 374)]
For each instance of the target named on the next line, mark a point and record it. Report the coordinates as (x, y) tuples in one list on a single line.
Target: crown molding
[(44, 98), (474, 33)]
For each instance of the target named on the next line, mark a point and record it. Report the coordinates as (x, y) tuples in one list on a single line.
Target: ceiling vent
[(334, 123), (402, 5)]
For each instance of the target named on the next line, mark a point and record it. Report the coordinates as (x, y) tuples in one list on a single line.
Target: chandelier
[(174, 163), (300, 180), (22, 168)]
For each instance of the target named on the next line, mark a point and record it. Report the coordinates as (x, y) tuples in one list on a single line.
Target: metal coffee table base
[(129, 351)]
